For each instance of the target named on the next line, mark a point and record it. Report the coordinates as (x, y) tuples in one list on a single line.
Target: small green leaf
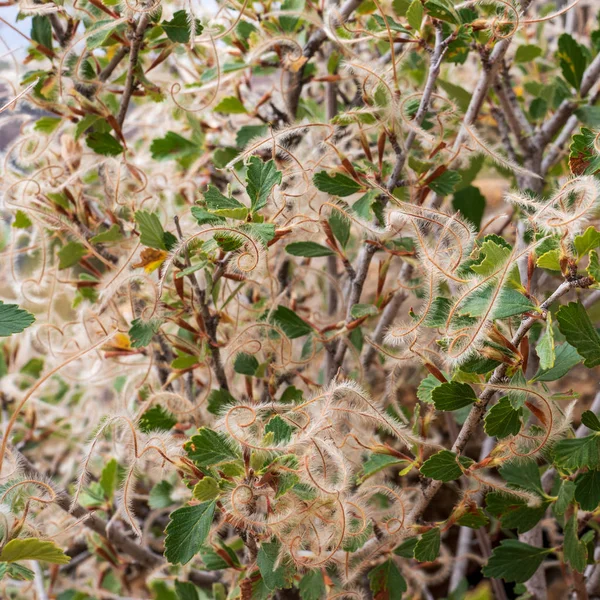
[(178, 28), (587, 241), (103, 143), (336, 184), (426, 388), (565, 496), (208, 448), (110, 477), (572, 60), (587, 490), (453, 395), (230, 105), (268, 554), (565, 359), (142, 332), (160, 495), (245, 364), (172, 145), (291, 324), (312, 586), (574, 549), (41, 31), (152, 233), (575, 324), (247, 133), (13, 319), (386, 581), (473, 519), (503, 420), (282, 432), (224, 206), (47, 124), (157, 418), (358, 311), (217, 399), (428, 546), (22, 221), (110, 235), (186, 590), (308, 249), (261, 177), (206, 489), (443, 466), (33, 549), (514, 561), (575, 453), (527, 53), (471, 204), (590, 420), (70, 254), (445, 183), (545, 348), (187, 531), (414, 14)]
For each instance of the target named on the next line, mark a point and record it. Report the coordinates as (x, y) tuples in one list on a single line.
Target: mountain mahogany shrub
[(238, 244)]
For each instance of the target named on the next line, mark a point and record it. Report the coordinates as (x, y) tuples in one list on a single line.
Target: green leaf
[(377, 463), (336, 184), (291, 324), (340, 225), (523, 474), (565, 496), (172, 145), (545, 348), (109, 479), (33, 549), (514, 512), (386, 581), (84, 124), (22, 221), (41, 31), (414, 14), (527, 52), (575, 324), (178, 28), (110, 235), (308, 249), (575, 453), (428, 546), (363, 310), (566, 358), (103, 143), (509, 303), (70, 254), (187, 531), (208, 448), (453, 395), (217, 399), (443, 466), (593, 268), (549, 260), (494, 254), (247, 133), (47, 124), (575, 550), (426, 388), (471, 204), (13, 319), (141, 332), (445, 183), (282, 432), (186, 590), (312, 586), (587, 241), (514, 561), (442, 10), (503, 420), (274, 578), (160, 495), (590, 420), (206, 489), (245, 364), (152, 233), (230, 105), (261, 177), (462, 99), (157, 418), (587, 490), (473, 519), (572, 60), (223, 206)]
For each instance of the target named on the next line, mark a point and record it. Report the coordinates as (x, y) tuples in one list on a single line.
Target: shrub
[(252, 260)]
